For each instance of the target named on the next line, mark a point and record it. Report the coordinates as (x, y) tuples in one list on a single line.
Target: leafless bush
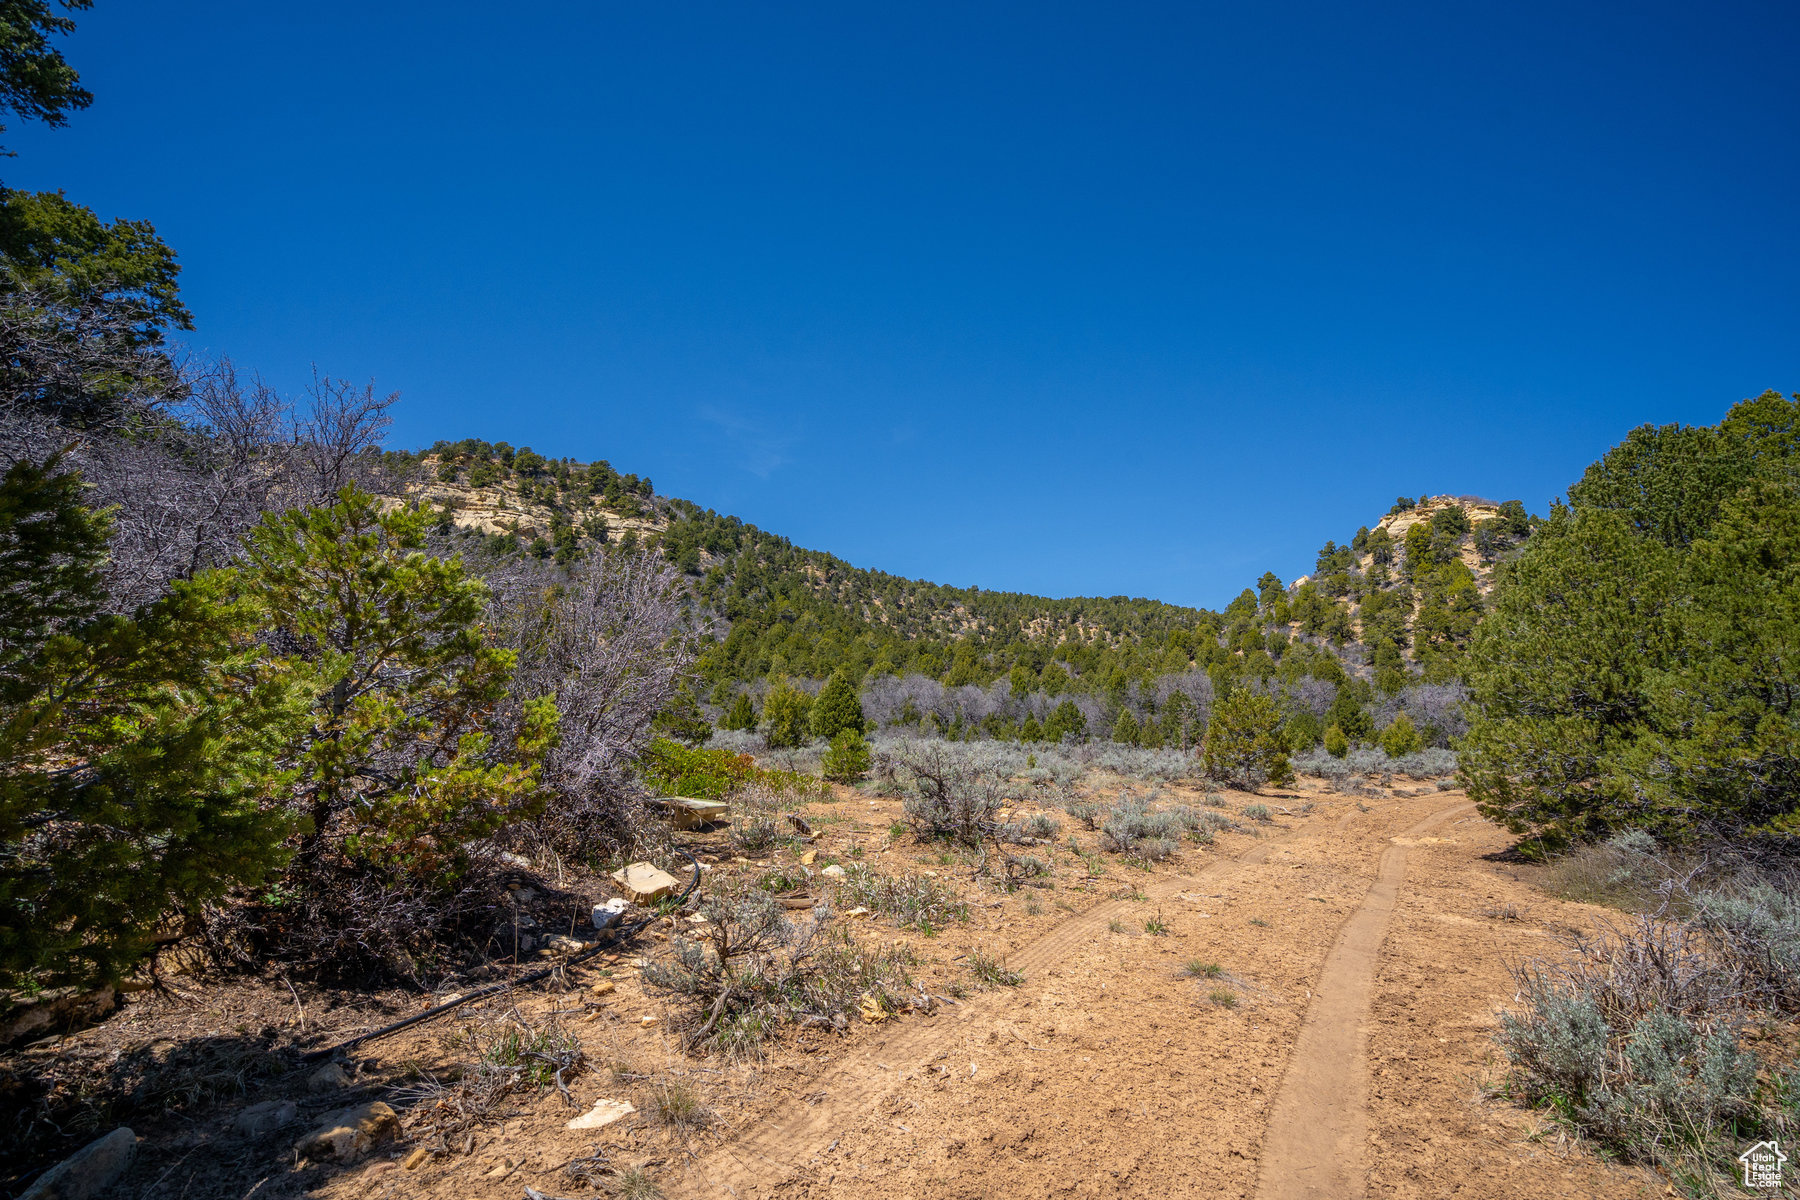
[(190, 456), (954, 796), (514, 1058), (753, 968), (611, 641)]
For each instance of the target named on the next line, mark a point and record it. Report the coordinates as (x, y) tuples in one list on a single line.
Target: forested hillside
[(1391, 608)]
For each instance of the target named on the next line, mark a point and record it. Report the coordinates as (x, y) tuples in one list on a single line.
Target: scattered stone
[(418, 1158), (806, 858), (525, 895), (262, 1118), (835, 871), (858, 913), (514, 860), (328, 1078), (604, 1112), (607, 915), (646, 1021), (349, 1134), (557, 943), (89, 1172), (645, 883), (605, 987)]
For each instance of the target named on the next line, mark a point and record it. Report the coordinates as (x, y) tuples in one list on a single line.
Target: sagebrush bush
[(914, 901), (1136, 830), (1638, 1040), (751, 969)]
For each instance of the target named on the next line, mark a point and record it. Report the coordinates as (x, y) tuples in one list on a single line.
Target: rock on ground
[(89, 1172)]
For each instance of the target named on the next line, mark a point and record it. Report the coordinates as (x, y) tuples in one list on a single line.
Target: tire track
[(855, 1084), (1313, 1147)]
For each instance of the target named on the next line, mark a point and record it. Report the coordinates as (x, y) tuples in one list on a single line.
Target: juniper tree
[(134, 751), (785, 714), (740, 715), (399, 770), (1244, 742), (838, 708)]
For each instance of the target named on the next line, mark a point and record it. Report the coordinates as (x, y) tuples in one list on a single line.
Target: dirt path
[(1305, 1009), (1314, 1146), (859, 1081)]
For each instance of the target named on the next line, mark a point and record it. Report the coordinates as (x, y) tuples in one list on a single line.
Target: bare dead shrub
[(611, 641), (512, 1058), (752, 969)]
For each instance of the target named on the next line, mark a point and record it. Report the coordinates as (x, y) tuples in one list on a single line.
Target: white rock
[(645, 882), (835, 871), (604, 1112), (607, 915)]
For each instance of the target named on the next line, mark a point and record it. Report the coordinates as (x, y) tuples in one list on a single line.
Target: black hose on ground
[(608, 936)]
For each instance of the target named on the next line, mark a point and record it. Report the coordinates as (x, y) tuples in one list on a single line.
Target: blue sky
[(1074, 299)]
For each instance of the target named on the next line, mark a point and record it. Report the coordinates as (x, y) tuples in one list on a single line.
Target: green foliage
[(673, 769), (1336, 744), (1065, 720), (741, 714), (36, 82), (1639, 665), (48, 240), (846, 760), (786, 716), (133, 751), (1401, 737), (399, 767), (1244, 742), (1126, 730), (838, 708), (683, 718), (1302, 731)]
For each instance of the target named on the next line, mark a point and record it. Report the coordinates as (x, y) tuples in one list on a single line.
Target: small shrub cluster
[(912, 901), (1138, 831), (752, 969), (713, 773), (991, 972), (518, 1057), (1639, 1040)]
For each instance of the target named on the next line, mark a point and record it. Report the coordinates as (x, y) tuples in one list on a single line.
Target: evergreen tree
[(1336, 744), (1031, 731), (1302, 731), (785, 714), (133, 751), (683, 719), (1401, 737), (1244, 743), (838, 708), (399, 769), (1065, 721), (846, 760), (741, 714), (1126, 730)]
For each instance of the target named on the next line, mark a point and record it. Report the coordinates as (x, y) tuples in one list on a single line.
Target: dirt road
[(1304, 1009), (1111, 1072)]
